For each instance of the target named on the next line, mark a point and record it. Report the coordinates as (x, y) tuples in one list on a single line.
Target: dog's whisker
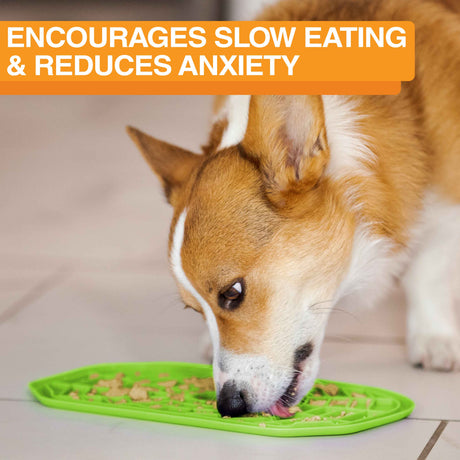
[(325, 310), (320, 303)]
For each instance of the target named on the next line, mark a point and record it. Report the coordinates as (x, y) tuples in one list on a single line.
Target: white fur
[(236, 111), (348, 146), (374, 264), (433, 332), (176, 265), (264, 383)]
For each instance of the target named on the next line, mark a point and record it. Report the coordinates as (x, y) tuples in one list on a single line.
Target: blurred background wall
[(159, 10), (129, 10)]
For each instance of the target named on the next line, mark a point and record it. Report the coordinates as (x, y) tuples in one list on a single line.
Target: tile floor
[(84, 279)]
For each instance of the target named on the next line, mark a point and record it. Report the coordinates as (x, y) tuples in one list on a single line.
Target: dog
[(300, 202)]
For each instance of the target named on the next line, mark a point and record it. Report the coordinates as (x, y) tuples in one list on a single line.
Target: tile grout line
[(350, 339), (100, 264), (35, 292), (432, 441)]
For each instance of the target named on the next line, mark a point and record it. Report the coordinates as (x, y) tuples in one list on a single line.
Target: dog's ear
[(172, 164), (287, 135)]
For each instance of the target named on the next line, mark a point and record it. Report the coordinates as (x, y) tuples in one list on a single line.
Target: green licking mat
[(183, 393)]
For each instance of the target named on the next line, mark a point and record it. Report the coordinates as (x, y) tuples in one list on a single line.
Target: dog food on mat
[(184, 394)]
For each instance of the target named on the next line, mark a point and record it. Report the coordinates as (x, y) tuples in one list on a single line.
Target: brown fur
[(170, 163)]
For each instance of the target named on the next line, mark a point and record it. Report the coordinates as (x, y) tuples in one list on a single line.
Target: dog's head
[(259, 243)]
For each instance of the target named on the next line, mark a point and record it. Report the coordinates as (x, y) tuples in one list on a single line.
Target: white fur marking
[(373, 267), (349, 147), (236, 111), (176, 264)]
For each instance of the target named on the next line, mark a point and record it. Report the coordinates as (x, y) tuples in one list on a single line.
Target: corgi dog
[(298, 203)]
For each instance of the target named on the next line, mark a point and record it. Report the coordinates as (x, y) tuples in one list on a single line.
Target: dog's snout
[(232, 401)]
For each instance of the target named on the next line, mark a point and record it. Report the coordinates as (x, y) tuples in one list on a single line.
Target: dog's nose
[(231, 401)]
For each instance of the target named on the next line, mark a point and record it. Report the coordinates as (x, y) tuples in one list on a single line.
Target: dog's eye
[(231, 297)]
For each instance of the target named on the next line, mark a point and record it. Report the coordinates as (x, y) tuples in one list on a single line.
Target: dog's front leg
[(433, 335)]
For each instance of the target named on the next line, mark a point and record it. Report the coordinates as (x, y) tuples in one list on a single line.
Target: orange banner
[(106, 57)]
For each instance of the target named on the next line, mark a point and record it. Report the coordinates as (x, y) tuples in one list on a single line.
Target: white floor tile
[(34, 431), (13, 290), (93, 318), (19, 286), (74, 185), (384, 322)]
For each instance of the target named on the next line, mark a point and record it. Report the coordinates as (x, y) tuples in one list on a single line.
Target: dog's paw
[(435, 352), (206, 347)]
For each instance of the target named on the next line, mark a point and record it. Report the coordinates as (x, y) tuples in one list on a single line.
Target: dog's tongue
[(279, 410)]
